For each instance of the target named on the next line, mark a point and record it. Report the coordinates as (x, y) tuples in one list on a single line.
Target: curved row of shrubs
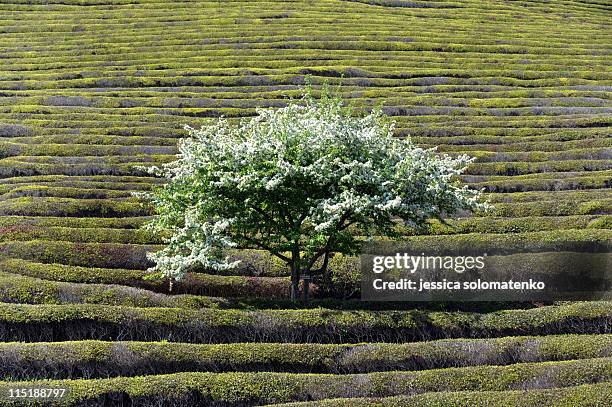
[(345, 275), (95, 359), (17, 288), (31, 323), (39, 191), (103, 255), (500, 243), (506, 185), (521, 168), (533, 196), (8, 149), (118, 255), (25, 232), (558, 207), (102, 183), (12, 167), (509, 139), (194, 283), (597, 153), (47, 206), (586, 395), (518, 225), (247, 389), (255, 262), (73, 222), (19, 227), (29, 290)]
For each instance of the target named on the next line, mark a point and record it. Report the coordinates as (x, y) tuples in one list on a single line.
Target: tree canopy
[(301, 182)]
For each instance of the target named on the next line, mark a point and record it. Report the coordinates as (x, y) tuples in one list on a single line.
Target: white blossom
[(300, 175)]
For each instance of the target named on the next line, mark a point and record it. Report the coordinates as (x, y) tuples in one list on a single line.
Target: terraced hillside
[(90, 89)]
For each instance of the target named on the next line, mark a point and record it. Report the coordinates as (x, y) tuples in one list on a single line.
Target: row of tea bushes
[(588, 395), (33, 323), (241, 388), (95, 359)]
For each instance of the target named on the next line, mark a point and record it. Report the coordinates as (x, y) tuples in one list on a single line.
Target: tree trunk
[(306, 287), (295, 272), (295, 283)]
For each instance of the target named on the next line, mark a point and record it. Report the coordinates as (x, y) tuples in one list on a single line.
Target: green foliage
[(72, 222), (29, 290), (69, 360), (238, 388), (82, 321), (106, 255), (292, 181), (83, 235), (592, 395), (91, 88), (71, 207), (194, 283)]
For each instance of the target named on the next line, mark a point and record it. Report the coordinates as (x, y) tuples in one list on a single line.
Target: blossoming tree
[(301, 182)]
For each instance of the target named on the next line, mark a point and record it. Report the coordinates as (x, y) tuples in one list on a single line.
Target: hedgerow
[(73, 222), (23, 288), (552, 208), (105, 181), (514, 242), (520, 168), (45, 206), (14, 168), (81, 321), (78, 183), (519, 224), (591, 395), (534, 101), (9, 149), (523, 185), (83, 235), (540, 156), (94, 359), (133, 256), (194, 283), (103, 262), (63, 192), (102, 255), (576, 196), (500, 145), (105, 255), (29, 290), (240, 389)]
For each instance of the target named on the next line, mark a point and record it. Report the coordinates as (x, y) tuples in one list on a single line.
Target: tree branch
[(300, 219), (268, 248), (286, 216), (271, 220), (324, 265), (327, 248)]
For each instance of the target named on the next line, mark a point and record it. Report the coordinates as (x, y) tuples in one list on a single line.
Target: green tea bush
[(72, 222), (92, 359), (88, 91), (109, 255), (79, 321), (591, 395), (30, 290), (194, 283), (72, 207), (517, 225), (239, 389), (82, 235), (63, 192), (552, 208)]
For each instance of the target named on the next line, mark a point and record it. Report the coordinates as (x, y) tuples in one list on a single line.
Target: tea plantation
[(92, 89)]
